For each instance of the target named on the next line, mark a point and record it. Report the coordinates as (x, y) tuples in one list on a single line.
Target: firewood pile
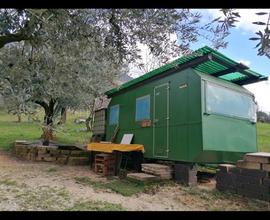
[(37, 152), (250, 177)]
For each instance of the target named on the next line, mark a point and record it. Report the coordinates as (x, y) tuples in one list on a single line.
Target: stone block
[(266, 167), (258, 157), (226, 167), (248, 165), (79, 153), (62, 159), (78, 161), (254, 173)]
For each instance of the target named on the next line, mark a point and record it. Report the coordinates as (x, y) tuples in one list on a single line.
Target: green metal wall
[(226, 138), (192, 137)]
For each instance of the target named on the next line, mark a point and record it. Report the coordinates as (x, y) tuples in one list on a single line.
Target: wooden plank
[(259, 157), (100, 114), (99, 123), (99, 128), (248, 165)]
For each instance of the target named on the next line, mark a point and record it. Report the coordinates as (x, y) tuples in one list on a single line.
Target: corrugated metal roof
[(205, 60)]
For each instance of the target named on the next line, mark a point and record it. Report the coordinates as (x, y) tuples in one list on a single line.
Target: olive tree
[(65, 58)]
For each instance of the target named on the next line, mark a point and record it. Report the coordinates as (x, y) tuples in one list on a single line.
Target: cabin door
[(161, 121)]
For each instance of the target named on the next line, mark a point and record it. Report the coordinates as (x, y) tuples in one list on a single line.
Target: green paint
[(188, 134), (207, 67), (160, 121)]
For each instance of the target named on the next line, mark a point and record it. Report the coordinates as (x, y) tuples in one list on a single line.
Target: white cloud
[(147, 59), (247, 17), (245, 62), (261, 90)]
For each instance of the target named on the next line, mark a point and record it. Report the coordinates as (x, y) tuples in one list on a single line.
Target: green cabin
[(193, 109)]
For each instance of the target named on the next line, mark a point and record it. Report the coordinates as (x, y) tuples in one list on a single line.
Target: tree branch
[(43, 104), (12, 38)]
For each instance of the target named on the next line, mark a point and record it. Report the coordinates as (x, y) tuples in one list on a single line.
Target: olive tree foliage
[(231, 17), (64, 58), (14, 88), (120, 28)]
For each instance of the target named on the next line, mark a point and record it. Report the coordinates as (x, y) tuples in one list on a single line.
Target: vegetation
[(124, 187), (214, 200), (36, 69), (69, 132), (89, 205), (263, 137), (29, 130)]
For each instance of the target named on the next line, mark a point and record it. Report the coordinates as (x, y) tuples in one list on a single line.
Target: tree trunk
[(90, 119), (63, 116), (87, 123), (48, 122), (19, 118)]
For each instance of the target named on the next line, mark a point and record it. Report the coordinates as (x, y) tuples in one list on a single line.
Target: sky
[(241, 49)]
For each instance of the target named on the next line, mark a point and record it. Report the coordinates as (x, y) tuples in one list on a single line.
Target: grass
[(69, 133), (263, 136), (27, 130), (43, 198), (21, 197), (8, 182), (222, 201), (51, 169), (95, 206), (121, 186)]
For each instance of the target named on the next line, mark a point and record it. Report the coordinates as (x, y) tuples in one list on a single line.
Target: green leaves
[(261, 13), (254, 38), (259, 23)]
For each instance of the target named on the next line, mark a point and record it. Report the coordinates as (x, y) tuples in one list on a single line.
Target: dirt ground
[(28, 185)]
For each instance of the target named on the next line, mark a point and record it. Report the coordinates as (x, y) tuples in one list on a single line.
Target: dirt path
[(28, 185)]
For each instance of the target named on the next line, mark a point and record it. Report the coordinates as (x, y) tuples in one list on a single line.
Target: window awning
[(205, 60)]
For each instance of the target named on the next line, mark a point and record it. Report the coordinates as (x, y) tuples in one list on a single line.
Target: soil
[(23, 184)]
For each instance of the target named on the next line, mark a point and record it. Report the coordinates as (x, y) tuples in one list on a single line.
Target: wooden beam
[(249, 80), (240, 67), (237, 68)]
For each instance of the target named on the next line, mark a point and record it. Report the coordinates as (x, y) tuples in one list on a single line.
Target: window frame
[(140, 98), (206, 83), (114, 106)]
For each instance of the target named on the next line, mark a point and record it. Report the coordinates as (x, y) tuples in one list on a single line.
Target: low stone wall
[(37, 152), (253, 183)]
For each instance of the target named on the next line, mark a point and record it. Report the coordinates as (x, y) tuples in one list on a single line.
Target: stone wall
[(250, 177), (37, 152)]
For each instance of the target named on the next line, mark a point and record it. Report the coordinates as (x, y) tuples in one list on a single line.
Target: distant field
[(263, 136), (10, 131)]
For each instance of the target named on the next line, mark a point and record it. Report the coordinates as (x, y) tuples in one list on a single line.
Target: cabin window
[(143, 108), (114, 115), (224, 101)]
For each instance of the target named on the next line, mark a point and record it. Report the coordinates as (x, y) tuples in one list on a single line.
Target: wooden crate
[(105, 164)]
